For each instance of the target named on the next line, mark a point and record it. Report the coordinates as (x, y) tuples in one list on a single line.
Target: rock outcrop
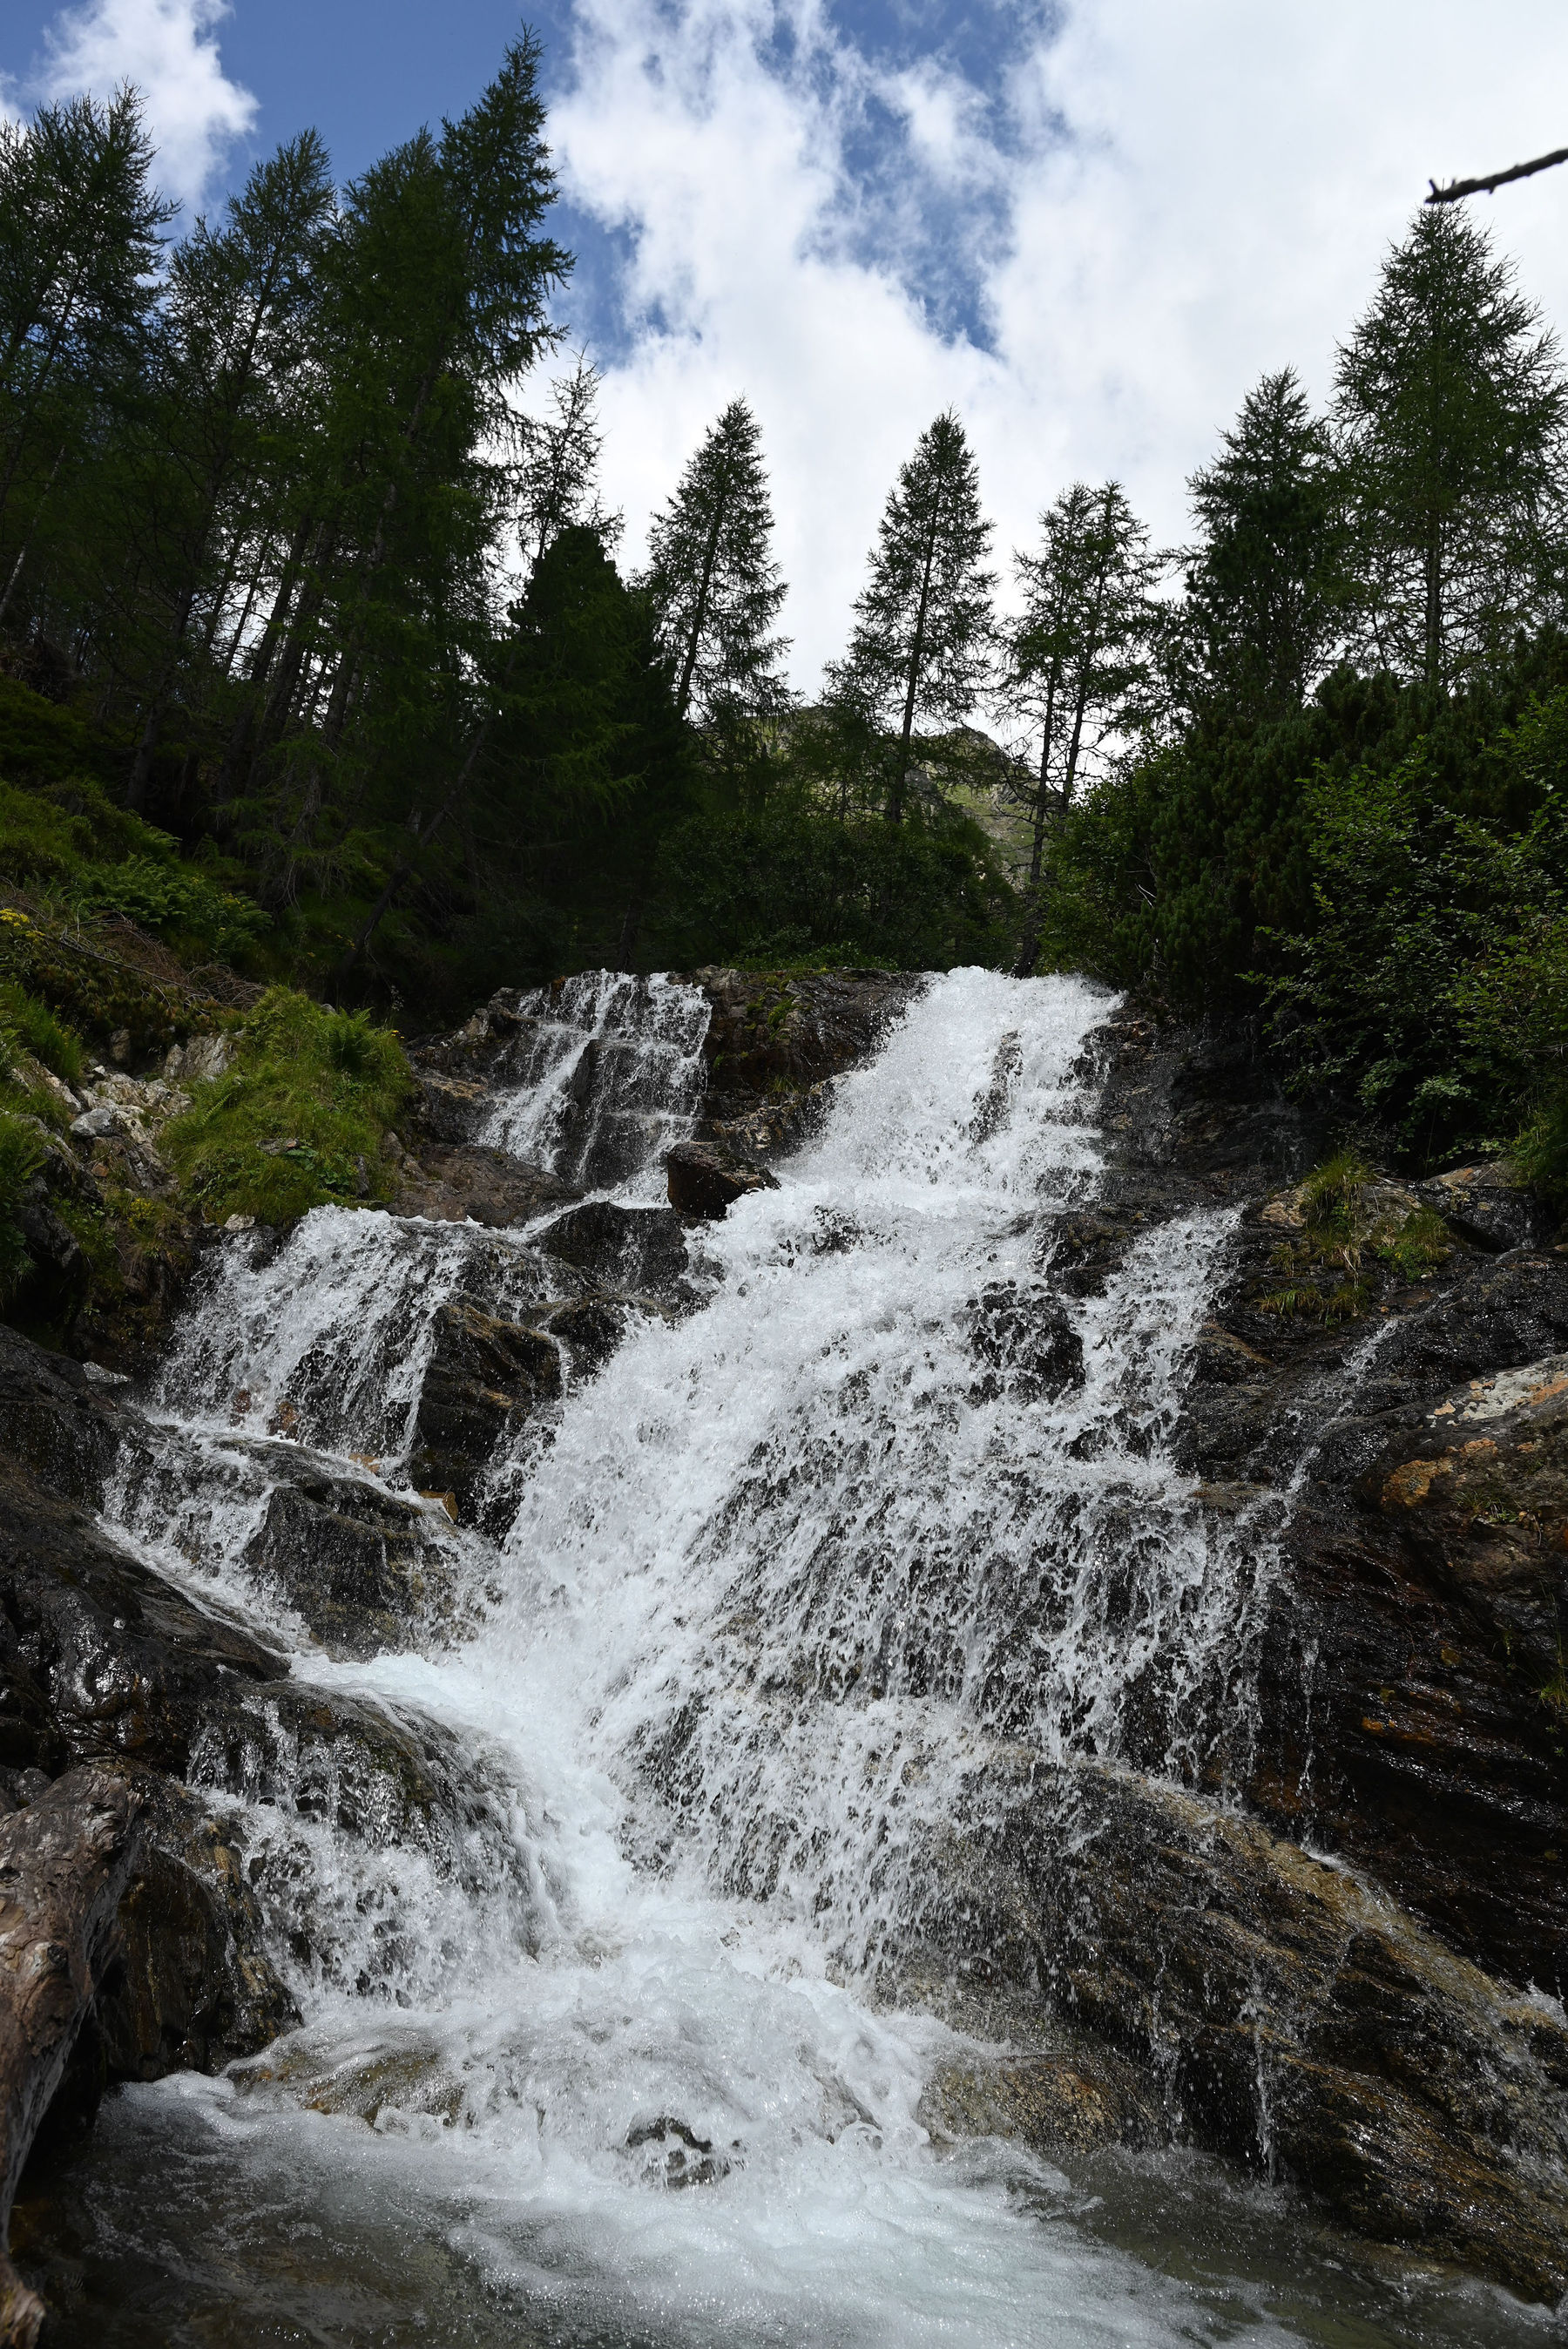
[(1272, 2006), (64, 1861)]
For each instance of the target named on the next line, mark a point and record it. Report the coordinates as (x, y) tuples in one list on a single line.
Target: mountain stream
[(619, 2058)]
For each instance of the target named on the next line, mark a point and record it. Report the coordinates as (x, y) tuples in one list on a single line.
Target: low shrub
[(299, 1119)]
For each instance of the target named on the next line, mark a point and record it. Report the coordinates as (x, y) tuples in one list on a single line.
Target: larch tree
[(1451, 406), (921, 641), (559, 473), (715, 587), (234, 336), (1076, 667), (80, 243)]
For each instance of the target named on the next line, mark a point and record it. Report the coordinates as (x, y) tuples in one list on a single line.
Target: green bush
[(175, 901), (21, 1156), (60, 832), (792, 883), (299, 1120), (26, 1021), (1428, 992)]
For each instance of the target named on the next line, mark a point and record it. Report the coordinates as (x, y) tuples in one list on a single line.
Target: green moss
[(21, 1156), (298, 1121)]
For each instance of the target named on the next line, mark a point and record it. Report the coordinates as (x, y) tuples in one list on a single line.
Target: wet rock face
[(64, 1861), (356, 1563), (774, 1044), (1399, 1709), (485, 1376), (1294, 2018), (705, 1178), (107, 1673)]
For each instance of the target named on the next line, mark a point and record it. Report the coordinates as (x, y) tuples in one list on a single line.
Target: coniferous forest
[(319, 658)]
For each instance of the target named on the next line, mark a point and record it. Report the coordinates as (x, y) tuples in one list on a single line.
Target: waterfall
[(603, 1074), (789, 1567)]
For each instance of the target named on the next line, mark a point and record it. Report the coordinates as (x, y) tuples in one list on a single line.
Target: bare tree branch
[(1457, 187)]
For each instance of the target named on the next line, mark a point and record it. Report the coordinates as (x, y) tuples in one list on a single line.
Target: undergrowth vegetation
[(1350, 1222), (21, 1156), (300, 1118)]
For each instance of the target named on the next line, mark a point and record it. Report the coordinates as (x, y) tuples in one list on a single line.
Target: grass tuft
[(1340, 1228), (28, 1022), (299, 1120), (21, 1156)]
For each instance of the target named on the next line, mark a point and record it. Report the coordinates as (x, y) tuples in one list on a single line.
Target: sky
[(1089, 225)]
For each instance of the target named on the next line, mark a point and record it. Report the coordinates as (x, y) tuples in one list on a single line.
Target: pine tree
[(922, 639), (1265, 587), (1451, 407), (715, 587)]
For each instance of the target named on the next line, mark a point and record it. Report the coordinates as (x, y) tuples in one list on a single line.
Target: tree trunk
[(916, 662), (699, 615), (28, 541)]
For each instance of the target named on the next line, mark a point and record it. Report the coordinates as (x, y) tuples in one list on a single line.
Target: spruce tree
[(1265, 586), (1451, 408), (1078, 654), (922, 638), (715, 587)]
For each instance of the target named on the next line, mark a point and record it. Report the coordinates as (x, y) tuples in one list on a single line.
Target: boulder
[(461, 1182), (1487, 1204), (705, 1178), (359, 1564), (485, 1376), (635, 1250)]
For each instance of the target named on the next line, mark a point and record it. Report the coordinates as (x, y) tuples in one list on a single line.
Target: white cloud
[(1192, 195), (168, 48)]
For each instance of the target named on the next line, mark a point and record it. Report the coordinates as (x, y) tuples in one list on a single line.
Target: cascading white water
[(791, 1566), (606, 1073)]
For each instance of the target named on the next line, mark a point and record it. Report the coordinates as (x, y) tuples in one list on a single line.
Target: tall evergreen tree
[(1076, 656), (436, 303), (1265, 585), (1451, 407), (235, 338), (80, 228), (559, 475), (922, 639), (714, 586)]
